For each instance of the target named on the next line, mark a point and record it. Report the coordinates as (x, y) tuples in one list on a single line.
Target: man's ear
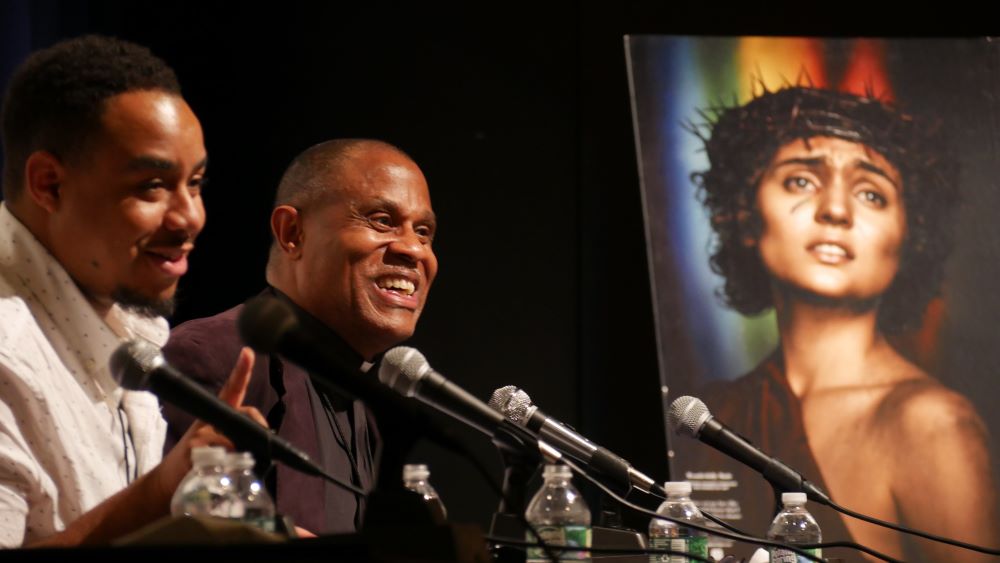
[(286, 225), (43, 175)]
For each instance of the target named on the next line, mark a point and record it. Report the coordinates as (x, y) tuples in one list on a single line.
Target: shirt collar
[(335, 342), (63, 311)]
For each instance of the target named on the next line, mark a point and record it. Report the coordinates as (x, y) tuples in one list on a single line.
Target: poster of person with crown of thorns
[(823, 250)]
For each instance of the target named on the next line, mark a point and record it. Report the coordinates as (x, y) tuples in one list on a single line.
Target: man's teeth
[(406, 286), (830, 249), (171, 256)]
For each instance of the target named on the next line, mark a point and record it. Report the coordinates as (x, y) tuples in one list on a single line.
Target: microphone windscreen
[(517, 407), (500, 397), (264, 322), (132, 362), (402, 368), (687, 415), (512, 403)]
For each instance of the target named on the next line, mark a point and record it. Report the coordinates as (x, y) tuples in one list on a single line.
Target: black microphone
[(516, 406), (269, 324), (690, 416), (407, 371), (139, 366)]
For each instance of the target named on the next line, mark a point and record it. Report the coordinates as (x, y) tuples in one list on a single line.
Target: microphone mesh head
[(517, 407), (499, 398), (512, 403), (401, 368), (688, 415), (131, 363)]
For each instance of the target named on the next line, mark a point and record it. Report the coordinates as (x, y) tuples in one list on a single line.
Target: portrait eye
[(873, 198), (798, 184)]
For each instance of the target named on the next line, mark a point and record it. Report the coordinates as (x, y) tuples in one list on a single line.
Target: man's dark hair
[(56, 97), (314, 176), (740, 144)]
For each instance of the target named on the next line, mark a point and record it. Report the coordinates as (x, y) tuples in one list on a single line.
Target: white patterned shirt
[(64, 421)]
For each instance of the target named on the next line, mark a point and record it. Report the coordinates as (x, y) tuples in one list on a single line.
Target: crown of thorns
[(775, 118)]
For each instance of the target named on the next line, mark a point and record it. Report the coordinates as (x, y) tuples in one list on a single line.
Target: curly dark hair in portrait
[(741, 141), (55, 99)]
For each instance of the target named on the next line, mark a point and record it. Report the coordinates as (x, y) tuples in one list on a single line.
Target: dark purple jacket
[(206, 350)]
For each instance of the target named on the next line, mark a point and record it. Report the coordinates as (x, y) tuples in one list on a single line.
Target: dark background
[(519, 117)]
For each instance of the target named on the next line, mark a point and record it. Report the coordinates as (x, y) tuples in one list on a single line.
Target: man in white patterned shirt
[(103, 168)]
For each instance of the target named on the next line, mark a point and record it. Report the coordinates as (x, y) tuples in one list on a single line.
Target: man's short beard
[(135, 302)]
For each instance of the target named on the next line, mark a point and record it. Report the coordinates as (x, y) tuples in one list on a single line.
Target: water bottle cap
[(554, 470), (208, 455), (415, 472), (793, 498), (239, 460), (677, 488)]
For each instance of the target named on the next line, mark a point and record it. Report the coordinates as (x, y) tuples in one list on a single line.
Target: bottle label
[(787, 556), (571, 536), (695, 545)]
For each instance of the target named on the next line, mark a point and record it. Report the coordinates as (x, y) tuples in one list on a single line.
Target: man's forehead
[(148, 116), (145, 108), (387, 175)]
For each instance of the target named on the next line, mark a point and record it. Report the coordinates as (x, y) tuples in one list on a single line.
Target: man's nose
[(185, 212), (410, 245)]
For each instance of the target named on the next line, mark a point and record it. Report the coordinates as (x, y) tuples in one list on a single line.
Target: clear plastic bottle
[(206, 490), (664, 534), (416, 478), (560, 516), (251, 502), (793, 525)]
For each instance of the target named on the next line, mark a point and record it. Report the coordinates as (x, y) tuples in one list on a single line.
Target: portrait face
[(833, 219), (367, 256), (127, 210)]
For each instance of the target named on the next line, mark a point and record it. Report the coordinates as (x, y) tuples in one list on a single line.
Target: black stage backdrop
[(519, 117)]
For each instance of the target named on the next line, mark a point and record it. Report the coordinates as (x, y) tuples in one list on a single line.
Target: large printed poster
[(824, 250)]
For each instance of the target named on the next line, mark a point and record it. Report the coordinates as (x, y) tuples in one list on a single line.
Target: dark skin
[(125, 215), (362, 260)]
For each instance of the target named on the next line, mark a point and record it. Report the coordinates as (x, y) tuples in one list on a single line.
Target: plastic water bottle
[(664, 534), (251, 503), (793, 525), (416, 478), (560, 516), (206, 490)]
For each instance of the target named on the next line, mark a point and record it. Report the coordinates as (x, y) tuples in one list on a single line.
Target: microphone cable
[(798, 549), (912, 531), (691, 415)]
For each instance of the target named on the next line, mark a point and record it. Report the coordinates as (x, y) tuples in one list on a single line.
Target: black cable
[(607, 550), (127, 438), (707, 515), (723, 523), (463, 451), (822, 545), (689, 524), (851, 545), (905, 530), (339, 482)]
